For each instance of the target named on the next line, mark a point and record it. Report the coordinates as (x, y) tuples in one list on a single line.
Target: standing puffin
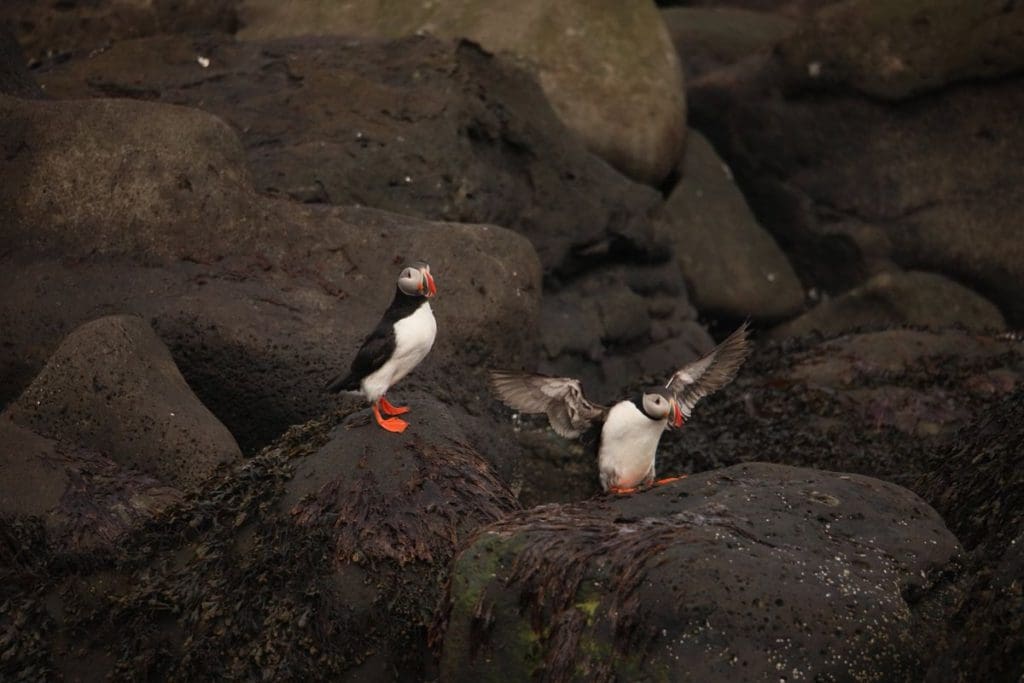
[(626, 434), (402, 339)]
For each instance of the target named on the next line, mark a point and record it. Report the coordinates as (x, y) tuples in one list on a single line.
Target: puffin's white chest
[(629, 442), (414, 337)]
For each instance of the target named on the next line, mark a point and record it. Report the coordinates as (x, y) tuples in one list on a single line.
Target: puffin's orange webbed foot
[(391, 424), (621, 491), (388, 409), (668, 480)]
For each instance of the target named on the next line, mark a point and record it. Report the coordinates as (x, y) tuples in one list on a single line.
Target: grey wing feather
[(707, 375), (568, 410)]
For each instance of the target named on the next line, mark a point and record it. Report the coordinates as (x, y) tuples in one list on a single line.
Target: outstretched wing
[(568, 410), (707, 375)]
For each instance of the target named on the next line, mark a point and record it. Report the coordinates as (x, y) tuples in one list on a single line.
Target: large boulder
[(898, 298), (609, 68), (113, 387), (733, 267), (845, 183), (894, 50), (748, 573), (978, 486), (322, 557), (260, 301), (465, 137), (85, 500)]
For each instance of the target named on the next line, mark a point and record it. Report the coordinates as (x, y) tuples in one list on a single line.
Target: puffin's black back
[(379, 345)]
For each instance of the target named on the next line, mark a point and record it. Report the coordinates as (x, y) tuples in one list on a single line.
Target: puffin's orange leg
[(621, 491), (668, 480), (389, 409), (392, 424)]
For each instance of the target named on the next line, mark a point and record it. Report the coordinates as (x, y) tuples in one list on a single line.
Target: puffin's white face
[(660, 405), (416, 280)]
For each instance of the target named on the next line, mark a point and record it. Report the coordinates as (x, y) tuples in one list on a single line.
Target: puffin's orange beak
[(677, 415), (431, 287)]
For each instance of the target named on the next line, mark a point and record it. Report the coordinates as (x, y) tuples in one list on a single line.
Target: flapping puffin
[(626, 434), (402, 339)]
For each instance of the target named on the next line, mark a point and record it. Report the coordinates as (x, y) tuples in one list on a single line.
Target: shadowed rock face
[(112, 387), (740, 573), (323, 556)]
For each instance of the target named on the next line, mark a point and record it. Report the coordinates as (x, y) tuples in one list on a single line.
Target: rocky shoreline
[(202, 210)]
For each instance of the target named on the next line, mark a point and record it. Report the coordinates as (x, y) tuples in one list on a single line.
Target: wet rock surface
[(747, 572), (111, 386)]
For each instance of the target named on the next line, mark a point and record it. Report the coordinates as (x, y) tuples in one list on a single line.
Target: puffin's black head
[(658, 403), (416, 280)]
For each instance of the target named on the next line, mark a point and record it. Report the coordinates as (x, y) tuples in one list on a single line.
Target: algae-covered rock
[(897, 48), (322, 557), (749, 572), (609, 67)]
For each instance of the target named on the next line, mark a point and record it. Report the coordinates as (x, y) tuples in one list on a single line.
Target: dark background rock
[(708, 38), (745, 573), (843, 181), (15, 78), (733, 267), (112, 386), (894, 299), (54, 30)]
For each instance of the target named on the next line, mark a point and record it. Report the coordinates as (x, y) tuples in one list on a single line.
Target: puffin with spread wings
[(402, 338), (626, 434)]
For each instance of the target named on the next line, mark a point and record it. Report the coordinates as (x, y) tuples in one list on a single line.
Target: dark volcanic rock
[(978, 486), (844, 182), (85, 500), (426, 128), (260, 301), (732, 266), (111, 386), (898, 298), (322, 557), (753, 572)]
